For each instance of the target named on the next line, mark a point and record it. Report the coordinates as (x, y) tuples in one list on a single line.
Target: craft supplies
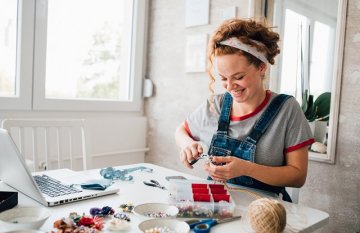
[(122, 216), (159, 214), (118, 225), (115, 174), (97, 184), (250, 193), (267, 216), (156, 210), (103, 212), (203, 226), (202, 199), (79, 223), (95, 222), (154, 183), (203, 156), (127, 207), (164, 225), (159, 230), (168, 178)]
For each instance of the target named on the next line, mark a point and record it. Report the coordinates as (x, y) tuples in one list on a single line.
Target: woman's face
[(242, 80)]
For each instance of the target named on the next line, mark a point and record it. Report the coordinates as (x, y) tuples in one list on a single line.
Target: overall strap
[(224, 119), (267, 118)]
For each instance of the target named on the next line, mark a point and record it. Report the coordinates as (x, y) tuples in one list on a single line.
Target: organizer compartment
[(202, 199)]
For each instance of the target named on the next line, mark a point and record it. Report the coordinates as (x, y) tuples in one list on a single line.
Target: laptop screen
[(13, 170)]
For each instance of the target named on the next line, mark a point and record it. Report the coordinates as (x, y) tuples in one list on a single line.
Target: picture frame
[(195, 53)]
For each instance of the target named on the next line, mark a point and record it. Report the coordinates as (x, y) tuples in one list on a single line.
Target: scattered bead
[(122, 217), (159, 230), (157, 214), (118, 225), (105, 211), (127, 207)]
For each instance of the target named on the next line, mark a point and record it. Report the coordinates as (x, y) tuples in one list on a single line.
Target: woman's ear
[(263, 68)]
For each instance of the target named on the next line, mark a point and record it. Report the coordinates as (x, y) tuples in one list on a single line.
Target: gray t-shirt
[(288, 132)]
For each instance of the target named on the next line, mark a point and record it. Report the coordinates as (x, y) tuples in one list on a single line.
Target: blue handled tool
[(204, 226)]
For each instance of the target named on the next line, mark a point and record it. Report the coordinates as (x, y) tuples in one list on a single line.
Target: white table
[(299, 218)]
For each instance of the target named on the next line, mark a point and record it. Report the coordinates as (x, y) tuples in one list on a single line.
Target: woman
[(259, 138)]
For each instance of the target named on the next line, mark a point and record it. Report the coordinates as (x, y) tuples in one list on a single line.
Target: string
[(267, 216), (251, 193)]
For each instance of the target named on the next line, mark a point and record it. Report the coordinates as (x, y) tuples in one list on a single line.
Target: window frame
[(31, 64), (24, 53), (329, 157)]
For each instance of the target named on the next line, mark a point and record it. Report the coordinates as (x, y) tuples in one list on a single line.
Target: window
[(85, 55), (8, 21), (308, 47)]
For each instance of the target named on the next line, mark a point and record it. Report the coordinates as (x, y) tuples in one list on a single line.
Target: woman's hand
[(233, 167), (293, 174), (190, 152)]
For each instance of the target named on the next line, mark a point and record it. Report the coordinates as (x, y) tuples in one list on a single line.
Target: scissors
[(154, 183), (204, 226), (203, 156)]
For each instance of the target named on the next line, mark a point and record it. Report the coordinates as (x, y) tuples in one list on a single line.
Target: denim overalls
[(223, 145)]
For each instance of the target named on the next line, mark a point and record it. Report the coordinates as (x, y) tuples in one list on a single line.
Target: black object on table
[(8, 200)]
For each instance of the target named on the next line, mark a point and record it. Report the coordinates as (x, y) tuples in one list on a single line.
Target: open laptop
[(15, 173)]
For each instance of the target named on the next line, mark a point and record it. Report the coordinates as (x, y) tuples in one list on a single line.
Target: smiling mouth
[(238, 92)]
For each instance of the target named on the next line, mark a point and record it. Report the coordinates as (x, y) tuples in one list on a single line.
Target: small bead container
[(202, 199)]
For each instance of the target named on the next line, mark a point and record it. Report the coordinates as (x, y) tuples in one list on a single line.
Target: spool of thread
[(267, 216)]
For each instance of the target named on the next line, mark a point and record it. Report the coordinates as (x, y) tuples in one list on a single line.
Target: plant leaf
[(322, 106)]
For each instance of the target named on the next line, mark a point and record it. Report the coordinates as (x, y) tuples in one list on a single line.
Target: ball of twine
[(267, 216)]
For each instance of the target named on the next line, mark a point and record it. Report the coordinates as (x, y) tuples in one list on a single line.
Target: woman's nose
[(231, 85)]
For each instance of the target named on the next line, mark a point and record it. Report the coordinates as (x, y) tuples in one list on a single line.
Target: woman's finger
[(194, 152), (218, 178), (188, 154), (200, 148), (221, 159), (184, 159)]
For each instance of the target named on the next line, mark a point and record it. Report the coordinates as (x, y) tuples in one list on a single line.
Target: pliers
[(154, 183), (203, 156)]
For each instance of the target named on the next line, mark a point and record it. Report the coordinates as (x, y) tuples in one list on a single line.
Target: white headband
[(236, 43)]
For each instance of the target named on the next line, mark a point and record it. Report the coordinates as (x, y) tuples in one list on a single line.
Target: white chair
[(49, 143), (294, 194)]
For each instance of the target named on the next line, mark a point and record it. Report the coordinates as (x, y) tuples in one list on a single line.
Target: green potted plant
[(317, 113), (318, 110)]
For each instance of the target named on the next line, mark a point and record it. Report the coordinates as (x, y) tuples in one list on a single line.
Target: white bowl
[(25, 231), (23, 218), (145, 209), (172, 224)]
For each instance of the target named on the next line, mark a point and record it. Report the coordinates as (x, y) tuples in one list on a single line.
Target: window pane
[(86, 57), (321, 71), (291, 65), (8, 26)]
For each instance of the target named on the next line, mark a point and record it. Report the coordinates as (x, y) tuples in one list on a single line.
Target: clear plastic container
[(201, 199)]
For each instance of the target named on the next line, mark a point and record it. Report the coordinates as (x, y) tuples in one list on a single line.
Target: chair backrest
[(294, 194), (49, 143)]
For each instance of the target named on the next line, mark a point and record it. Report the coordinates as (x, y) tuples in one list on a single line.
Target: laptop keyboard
[(53, 187)]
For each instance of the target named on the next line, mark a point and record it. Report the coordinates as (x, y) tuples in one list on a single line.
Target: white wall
[(331, 188)]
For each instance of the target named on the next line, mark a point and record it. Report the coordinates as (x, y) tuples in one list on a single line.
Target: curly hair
[(245, 31)]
